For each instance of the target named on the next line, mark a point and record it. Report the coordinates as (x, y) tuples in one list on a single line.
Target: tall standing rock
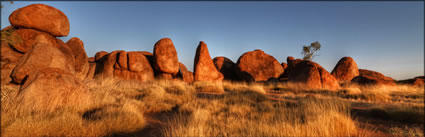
[(165, 57), (204, 69), (345, 70), (313, 75), (258, 66), (82, 65), (41, 17), (226, 67)]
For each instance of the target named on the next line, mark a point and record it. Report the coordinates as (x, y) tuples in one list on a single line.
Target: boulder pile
[(32, 55)]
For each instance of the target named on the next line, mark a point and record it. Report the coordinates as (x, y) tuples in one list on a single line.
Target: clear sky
[(387, 37)]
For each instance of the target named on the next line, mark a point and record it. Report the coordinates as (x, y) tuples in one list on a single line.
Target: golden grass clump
[(208, 87), (241, 87)]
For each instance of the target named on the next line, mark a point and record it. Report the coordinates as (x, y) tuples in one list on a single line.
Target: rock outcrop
[(345, 70), (204, 69), (124, 65), (41, 17), (313, 75), (258, 66)]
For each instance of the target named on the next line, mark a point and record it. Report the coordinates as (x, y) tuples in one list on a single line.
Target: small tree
[(308, 51)]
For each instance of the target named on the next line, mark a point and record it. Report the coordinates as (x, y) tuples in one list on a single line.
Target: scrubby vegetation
[(175, 108)]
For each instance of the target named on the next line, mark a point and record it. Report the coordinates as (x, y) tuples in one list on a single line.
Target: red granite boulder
[(258, 66), (345, 70), (204, 69), (313, 75), (41, 17), (165, 57)]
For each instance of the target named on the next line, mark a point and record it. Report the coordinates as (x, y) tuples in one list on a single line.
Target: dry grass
[(235, 109), (118, 106), (251, 114)]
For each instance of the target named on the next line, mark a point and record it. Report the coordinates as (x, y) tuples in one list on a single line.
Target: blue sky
[(387, 37)]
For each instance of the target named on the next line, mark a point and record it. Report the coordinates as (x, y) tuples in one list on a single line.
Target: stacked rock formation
[(32, 56)]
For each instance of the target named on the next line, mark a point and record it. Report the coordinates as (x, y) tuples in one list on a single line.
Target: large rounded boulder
[(204, 69), (41, 17), (313, 75), (226, 67), (258, 66), (345, 70), (82, 65), (165, 57)]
